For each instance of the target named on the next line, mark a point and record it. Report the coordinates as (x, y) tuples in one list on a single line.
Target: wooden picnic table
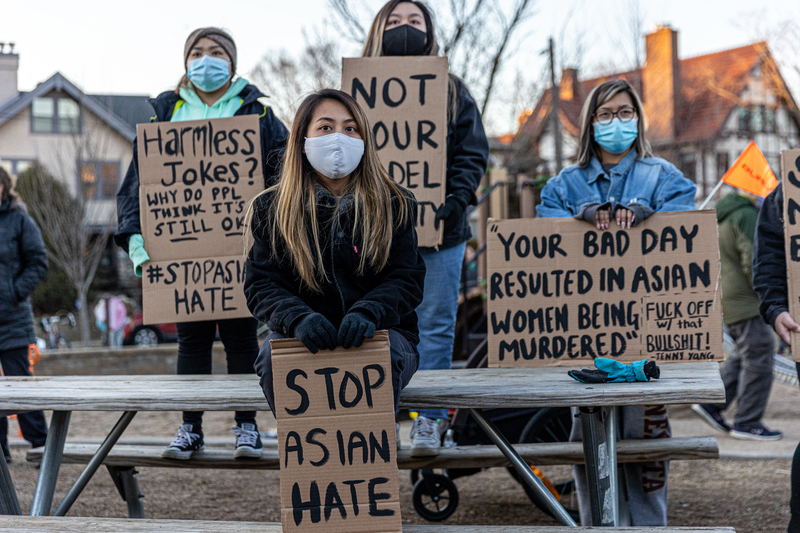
[(473, 389)]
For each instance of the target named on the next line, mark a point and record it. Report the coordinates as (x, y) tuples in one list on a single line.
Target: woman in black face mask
[(405, 28)]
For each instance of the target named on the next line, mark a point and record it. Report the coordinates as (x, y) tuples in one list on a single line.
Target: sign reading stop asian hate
[(561, 292), (790, 165), (196, 178), (336, 438), (405, 99)]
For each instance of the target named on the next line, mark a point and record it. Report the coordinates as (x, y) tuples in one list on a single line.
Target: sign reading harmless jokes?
[(405, 99), (562, 292), (336, 438), (196, 178)]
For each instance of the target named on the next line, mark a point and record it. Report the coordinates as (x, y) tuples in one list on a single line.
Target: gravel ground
[(748, 495)]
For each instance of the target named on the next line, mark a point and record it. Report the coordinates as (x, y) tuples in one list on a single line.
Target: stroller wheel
[(435, 497)]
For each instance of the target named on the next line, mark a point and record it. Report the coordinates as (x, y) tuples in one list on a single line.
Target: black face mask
[(404, 41)]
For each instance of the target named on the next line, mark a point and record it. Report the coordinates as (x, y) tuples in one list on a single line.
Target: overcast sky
[(136, 47)]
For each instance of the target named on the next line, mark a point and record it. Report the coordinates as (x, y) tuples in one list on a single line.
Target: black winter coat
[(23, 264), (467, 159), (275, 295), (769, 258), (273, 141)]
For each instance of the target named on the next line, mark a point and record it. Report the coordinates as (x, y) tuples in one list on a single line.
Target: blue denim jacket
[(652, 183)]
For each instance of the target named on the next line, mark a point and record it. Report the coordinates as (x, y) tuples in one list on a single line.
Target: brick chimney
[(9, 65), (661, 80), (569, 88)]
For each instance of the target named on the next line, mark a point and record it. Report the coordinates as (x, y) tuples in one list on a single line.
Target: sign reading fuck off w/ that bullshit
[(562, 292), (196, 179)]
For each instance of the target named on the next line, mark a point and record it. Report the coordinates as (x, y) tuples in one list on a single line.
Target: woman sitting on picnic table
[(618, 178), (334, 254)]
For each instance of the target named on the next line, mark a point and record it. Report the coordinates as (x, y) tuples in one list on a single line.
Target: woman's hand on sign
[(625, 218), (784, 324), (602, 218), (316, 333)]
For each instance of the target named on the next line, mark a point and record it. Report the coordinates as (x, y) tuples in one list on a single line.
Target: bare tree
[(286, 79), (476, 36), (75, 229)]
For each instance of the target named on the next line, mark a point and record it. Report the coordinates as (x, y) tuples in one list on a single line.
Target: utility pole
[(554, 116)]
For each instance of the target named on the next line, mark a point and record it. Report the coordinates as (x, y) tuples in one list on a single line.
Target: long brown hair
[(599, 96), (8, 188), (292, 215), (373, 47)]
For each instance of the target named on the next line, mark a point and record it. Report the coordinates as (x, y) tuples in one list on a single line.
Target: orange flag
[(751, 172)]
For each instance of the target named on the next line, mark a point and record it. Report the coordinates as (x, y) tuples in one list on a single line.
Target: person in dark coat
[(207, 90), (769, 281), (23, 264), (334, 254), (405, 28)]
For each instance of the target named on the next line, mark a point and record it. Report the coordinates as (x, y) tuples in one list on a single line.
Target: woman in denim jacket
[(618, 178)]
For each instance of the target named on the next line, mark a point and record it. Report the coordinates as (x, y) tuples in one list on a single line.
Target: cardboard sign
[(562, 292), (790, 165), (336, 437), (405, 99), (196, 178)]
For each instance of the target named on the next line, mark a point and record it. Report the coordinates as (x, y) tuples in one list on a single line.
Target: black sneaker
[(186, 442), (248, 441), (755, 433), (712, 417)]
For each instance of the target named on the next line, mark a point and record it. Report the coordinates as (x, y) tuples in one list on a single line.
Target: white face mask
[(335, 155)]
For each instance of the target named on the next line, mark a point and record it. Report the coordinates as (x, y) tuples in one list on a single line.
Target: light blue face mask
[(616, 136), (208, 73)]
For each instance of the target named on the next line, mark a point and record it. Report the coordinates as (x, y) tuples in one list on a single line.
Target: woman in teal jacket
[(207, 90)]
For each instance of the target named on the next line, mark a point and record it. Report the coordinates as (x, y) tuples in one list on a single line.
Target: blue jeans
[(437, 312)]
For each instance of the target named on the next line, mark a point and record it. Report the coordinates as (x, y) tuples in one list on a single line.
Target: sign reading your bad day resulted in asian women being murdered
[(562, 292), (405, 99), (196, 178), (336, 438)]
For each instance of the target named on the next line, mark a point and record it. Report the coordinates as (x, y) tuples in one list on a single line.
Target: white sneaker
[(248, 441), (426, 437)]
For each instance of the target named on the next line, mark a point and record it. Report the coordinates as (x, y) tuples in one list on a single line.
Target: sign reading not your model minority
[(336, 438), (562, 292), (405, 99), (790, 165), (196, 178)]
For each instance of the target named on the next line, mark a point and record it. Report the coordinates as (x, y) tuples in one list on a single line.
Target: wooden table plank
[(38, 524), (543, 454), (468, 388)]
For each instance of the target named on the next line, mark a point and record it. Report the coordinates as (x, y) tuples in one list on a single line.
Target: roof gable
[(57, 82)]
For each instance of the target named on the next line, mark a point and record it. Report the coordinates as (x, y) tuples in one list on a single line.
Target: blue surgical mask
[(616, 136), (208, 73)]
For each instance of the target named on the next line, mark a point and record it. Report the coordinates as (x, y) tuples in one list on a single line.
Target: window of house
[(722, 164), (757, 118), (770, 125), (99, 179), (15, 167), (688, 165), (55, 115), (744, 119)]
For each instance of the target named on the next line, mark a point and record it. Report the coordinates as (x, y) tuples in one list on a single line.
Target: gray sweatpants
[(747, 373), (646, 483)]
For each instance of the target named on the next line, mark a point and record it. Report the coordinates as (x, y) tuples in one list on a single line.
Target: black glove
[(316, 333), (452, 213), (354, 329)]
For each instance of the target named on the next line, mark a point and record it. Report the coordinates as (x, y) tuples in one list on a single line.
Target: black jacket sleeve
[(467, 150), (769, 258), (273, 144), (128, 203), (33, 258), (269, 283), (400, 290)]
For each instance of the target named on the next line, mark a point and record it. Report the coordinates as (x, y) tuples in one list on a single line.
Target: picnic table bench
[(30, 524), (472, 389)]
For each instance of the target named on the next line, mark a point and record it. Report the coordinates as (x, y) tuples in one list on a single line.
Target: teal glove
[(137, 254), (611, 371)]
